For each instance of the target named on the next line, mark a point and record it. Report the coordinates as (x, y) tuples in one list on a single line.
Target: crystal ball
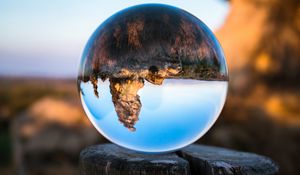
[(153, 78)]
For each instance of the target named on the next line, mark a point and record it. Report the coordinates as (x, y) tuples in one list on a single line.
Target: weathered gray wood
[(195, 160), (114, 160), (219, 161)]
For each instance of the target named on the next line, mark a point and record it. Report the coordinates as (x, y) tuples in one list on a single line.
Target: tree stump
[(110, 159)]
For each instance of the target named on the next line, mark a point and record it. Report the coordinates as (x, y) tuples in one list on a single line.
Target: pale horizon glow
[(46, 38)]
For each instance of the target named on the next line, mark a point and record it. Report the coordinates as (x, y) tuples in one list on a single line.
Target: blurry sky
[(46, 37)]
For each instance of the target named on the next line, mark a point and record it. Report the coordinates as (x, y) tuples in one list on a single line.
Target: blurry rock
[(261, 41), (4, 112), (49, 109), (52, 125), (284, 108)]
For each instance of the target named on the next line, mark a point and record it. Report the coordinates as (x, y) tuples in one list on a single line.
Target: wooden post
[(109, 159)]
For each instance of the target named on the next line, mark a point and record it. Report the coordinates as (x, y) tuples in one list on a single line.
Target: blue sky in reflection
[(172, 115)]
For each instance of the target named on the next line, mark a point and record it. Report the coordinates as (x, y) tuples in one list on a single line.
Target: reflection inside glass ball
[(159, 71)]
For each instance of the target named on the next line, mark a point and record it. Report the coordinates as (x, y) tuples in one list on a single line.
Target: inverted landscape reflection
[(172, 115), (153, 78)]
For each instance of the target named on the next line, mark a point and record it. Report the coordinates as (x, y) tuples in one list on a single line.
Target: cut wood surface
[(110, 159)]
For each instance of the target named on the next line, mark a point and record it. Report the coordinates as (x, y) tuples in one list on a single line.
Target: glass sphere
[(153, 78)]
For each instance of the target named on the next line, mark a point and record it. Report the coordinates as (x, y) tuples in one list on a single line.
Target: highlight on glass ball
[(153, 78)]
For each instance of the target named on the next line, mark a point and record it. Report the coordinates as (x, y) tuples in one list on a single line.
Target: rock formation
[(126, 100), (264, 64), (261, 41)]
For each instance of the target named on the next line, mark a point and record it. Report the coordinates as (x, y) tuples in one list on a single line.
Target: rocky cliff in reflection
[(125, 86), (126, 100), (149, 43)]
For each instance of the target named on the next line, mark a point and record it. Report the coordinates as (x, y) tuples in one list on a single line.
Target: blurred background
[(43, 126)]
